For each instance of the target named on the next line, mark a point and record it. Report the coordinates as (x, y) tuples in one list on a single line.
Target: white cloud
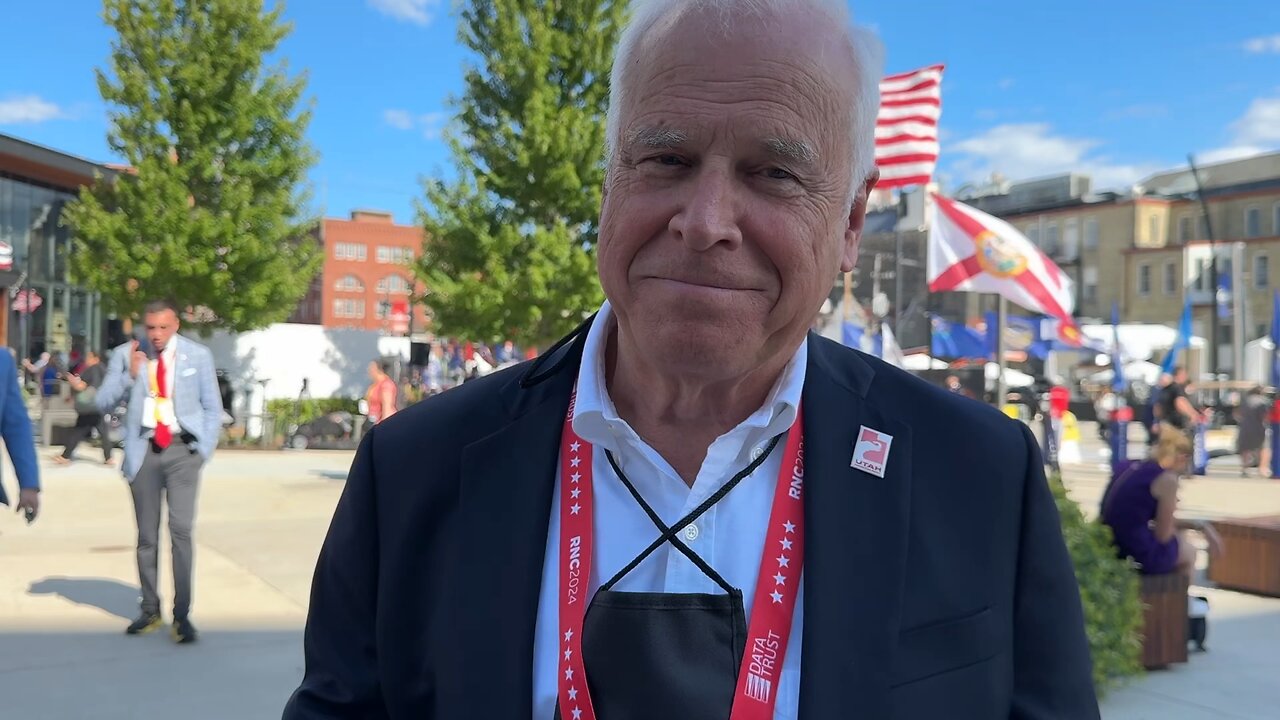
[(29, 109), (429, 124), (1257, 131), (1261, 45), (414, 11), (1139, 111), (1029, 150), (398, 119), (1006, 83), (1260, 123), (432, 124)]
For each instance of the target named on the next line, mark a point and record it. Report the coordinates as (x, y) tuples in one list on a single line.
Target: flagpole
[(1213, 270), (1000, 322)]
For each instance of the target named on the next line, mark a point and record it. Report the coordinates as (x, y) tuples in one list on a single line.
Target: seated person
[(1140, 504)]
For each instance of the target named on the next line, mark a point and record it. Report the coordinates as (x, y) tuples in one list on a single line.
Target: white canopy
[(1012, 378), (921, 361), (1137, 371), (1138, 341)]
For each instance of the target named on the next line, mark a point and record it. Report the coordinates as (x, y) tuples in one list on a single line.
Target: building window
[(349, 283), (1090, 284), (1170, 278), (1261, 271), (1033, 234), (382, 310), (394, 284), (1070, 238), (396, 255), (348, 308), (1184, 228), (350, 251), (1275, 220), (1144, 279), (1153, 229), (1051, 239), (1253, 222), (1090, 233), (1202, 274)]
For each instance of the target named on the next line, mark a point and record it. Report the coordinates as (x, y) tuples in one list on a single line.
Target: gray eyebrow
[(793, 150), (657, 138)]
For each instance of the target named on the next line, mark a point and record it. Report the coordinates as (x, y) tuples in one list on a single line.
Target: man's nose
[(709, 214)]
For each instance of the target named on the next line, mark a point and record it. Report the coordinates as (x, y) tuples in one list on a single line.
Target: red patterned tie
[(164, 435)]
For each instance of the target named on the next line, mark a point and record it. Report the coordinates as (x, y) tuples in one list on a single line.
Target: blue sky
[(1117, 90)]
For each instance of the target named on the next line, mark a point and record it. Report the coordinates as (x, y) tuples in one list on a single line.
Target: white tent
[(1012, 378), (1136, 371), (1138, 341), (920, 361)]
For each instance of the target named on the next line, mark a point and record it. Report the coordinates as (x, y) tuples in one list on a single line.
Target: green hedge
[(290, 412), (1109, 590)]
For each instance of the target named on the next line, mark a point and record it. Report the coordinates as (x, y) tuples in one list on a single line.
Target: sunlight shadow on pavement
[(112, 596)]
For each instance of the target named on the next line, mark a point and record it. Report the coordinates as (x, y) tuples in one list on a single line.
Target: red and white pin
[(871, 451)]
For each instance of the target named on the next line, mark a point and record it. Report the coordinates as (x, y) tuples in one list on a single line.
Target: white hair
[(863, 45)]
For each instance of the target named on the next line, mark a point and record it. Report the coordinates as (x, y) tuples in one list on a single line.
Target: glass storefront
[(68, 319)]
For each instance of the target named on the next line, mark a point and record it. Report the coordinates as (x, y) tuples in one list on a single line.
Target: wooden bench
[(1164, 620), (1250, 558)]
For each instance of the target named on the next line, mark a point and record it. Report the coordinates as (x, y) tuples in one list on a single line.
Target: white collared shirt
[(729, 536)]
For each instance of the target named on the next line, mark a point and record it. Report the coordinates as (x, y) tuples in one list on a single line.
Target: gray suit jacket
[(196, 400)]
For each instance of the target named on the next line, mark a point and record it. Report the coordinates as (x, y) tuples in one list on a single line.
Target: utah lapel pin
[(871, 452)]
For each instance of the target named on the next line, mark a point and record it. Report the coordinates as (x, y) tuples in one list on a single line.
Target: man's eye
[(669, 160), (777, 173)]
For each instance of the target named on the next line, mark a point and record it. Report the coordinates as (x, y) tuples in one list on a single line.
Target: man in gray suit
[(171, 429)]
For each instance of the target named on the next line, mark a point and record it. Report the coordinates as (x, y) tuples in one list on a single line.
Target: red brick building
[(366, 274)]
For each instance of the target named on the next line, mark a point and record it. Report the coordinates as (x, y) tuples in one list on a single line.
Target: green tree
[(509, 249), (210, 212)]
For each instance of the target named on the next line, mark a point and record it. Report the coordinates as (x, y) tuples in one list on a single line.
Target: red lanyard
[(776, 585)]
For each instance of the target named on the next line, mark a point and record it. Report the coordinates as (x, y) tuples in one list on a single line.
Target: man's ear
[(857, 217)]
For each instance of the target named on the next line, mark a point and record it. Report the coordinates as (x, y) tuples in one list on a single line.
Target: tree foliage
[(210, 212), (509, 251)]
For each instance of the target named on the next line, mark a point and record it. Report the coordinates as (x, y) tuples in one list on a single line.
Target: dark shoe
[(184, 632), (145, 623)]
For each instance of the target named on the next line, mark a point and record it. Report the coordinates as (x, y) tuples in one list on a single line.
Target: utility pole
[(1213, 269)]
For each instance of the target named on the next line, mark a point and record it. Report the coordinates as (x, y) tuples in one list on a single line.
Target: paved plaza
[(68, 588)]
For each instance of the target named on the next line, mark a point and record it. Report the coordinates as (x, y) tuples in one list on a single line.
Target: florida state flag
[(971, 251)]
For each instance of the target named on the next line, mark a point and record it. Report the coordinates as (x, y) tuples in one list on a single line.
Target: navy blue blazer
[(942, 590), (15, 427)]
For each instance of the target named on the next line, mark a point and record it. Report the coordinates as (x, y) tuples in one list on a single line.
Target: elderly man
[(691, 507)]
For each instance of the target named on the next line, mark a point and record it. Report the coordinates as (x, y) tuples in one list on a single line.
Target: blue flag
[(953, 340), (1182, 342), (851, 335)]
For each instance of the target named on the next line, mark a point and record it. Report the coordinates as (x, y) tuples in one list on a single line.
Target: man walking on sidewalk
[(171, 429)]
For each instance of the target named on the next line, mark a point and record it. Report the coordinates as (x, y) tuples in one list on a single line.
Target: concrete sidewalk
[(68, 588)]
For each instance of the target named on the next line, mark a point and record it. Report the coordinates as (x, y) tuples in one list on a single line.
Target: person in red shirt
[(1059, 400)]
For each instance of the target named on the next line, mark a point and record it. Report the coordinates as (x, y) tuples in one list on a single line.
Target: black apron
[(650, 656)]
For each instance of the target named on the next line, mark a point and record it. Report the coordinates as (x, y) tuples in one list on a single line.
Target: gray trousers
[(172, 475)]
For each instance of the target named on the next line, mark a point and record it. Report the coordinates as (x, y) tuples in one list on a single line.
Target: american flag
[(907, 127)]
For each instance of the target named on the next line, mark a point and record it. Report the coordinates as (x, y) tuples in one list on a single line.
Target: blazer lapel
[(855, 542), (505, 505)]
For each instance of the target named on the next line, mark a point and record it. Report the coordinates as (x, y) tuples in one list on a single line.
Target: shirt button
[(691, 533), (756, 453)]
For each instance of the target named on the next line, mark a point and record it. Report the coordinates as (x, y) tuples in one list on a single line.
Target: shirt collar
[(596, 420)]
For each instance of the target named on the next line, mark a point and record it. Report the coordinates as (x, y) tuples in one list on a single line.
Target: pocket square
[(188, 372)]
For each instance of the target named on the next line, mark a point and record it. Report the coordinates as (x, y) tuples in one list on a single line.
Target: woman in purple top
[(1139, 507)]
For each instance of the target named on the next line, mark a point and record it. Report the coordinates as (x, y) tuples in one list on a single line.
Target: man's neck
[(680, 417)]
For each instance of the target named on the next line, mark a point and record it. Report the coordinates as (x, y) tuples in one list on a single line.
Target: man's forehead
[(787, 146)]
